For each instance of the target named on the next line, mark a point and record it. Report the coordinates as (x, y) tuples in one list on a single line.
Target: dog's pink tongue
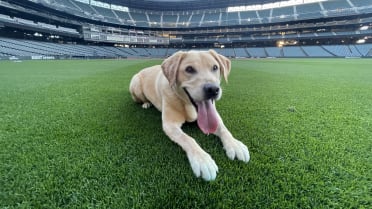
[(207, 117)]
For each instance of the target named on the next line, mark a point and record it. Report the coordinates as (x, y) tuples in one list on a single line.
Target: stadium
[(137, 29), (298, 96)]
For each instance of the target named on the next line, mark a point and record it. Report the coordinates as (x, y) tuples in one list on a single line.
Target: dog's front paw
[(236, 149), (203, 165), (146, 105)]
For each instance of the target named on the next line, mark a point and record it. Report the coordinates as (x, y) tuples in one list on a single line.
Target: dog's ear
[(170, 67), (225, 64)]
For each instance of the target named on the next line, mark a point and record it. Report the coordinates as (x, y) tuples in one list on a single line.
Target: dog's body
[(184, 88)]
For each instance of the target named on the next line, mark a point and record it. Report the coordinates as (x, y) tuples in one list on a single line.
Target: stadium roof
[(175, 5)]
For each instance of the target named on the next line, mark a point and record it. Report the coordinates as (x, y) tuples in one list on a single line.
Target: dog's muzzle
[(207, 114)]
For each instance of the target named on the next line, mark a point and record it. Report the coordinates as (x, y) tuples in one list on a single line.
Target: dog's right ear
[(170, 67)]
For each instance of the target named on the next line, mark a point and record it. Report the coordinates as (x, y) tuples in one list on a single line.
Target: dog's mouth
[(207, 114)]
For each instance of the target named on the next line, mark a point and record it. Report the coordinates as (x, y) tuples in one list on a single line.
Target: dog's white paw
[(236, 149), (203, 165), (146, 105)]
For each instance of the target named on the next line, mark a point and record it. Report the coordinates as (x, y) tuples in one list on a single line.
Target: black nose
[(211, 91)]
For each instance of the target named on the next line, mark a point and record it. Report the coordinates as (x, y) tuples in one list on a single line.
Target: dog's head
[(198, 74)]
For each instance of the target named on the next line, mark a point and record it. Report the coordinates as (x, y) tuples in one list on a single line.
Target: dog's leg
[(201, 162), (233, 147), (135, 88)]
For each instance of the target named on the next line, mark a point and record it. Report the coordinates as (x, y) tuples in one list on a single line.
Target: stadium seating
[(27, 48), (364, 6), (157, 52), (361, 3), (256, 52), (293, 51), (228, 52), (264, 16), (154, 20), (335, 5), (183, 20), (140, 19), (169, 21), (212, 17), (86, 8), (274, 51), (171, 51), (241, 52), (249, 17), (230, 18), (316, 51), (195, 20), (364, 49), (31, 23), (104, 12), (342, 51), (308, 11), (282, 14)]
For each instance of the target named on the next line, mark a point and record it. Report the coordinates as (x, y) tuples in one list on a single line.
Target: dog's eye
[(215, 68), (190, 70)]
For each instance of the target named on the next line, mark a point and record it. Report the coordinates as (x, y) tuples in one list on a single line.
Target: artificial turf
[(71, 137)]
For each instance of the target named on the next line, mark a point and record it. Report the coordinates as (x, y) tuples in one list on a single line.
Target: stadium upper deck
[(208, 17), (182, 5)]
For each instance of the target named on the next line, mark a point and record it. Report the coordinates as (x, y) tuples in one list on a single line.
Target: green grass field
[(71, 137)]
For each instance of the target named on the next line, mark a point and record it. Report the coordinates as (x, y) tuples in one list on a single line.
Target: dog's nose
[(211, 91)]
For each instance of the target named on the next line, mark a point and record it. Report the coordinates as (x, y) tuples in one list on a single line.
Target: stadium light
[(280, 43), (38, 34), (364, 27)]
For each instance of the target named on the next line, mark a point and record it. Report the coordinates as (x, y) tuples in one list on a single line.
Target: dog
[(185, 88)]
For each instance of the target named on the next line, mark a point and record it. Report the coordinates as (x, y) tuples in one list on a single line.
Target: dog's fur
[(177, 87)]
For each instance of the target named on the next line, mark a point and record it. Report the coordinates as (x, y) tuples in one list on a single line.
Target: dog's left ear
[(225, 64), (170, 67)]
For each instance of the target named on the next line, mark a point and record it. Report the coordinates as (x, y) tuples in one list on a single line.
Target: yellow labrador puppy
[(184, 88)]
